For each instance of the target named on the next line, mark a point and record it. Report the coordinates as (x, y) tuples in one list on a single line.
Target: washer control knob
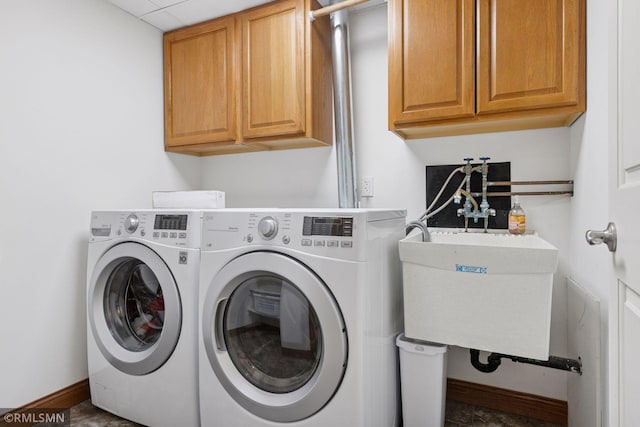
[(286, 239), (131, 223), (249, 238), (268, 227)]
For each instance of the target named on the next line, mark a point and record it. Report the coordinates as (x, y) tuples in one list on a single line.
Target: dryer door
[(134, 308), (274, 336)]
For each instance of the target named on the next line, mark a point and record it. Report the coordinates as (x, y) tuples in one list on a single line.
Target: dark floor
[(87, 415), (463, 415), (457, 415)]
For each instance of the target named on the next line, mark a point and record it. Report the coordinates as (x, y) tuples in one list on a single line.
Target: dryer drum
[(272, 334)]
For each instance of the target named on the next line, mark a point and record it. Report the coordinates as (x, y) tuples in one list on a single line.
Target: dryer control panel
[(345, 234), (328, 226), (320, 233)]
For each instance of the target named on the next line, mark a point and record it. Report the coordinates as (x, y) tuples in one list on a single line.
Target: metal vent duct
[(347, 191)]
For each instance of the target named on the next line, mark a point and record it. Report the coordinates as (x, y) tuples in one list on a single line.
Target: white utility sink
[(487, 291)]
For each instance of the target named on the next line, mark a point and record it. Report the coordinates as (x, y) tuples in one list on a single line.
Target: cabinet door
[(530, 54), (273, 84), (431, 60), (199, 84)]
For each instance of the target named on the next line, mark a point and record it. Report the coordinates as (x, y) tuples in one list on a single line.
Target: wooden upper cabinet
[(273, 70), (431, 60), (529, 65), (200, 83), (286, 76), (529, 54), (255, 80)]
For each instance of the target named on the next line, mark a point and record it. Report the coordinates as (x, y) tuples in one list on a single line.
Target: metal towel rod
[(529, 193), (530, 183), (333, 8)]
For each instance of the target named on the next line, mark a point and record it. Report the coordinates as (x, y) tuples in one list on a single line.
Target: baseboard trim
[(514, 402), (63, 399)]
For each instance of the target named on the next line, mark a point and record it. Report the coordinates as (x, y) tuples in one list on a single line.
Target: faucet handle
[(484, 168), (468, 159)]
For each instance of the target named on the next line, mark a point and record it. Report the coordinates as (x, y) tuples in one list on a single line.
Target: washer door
[(134, 308), (274, 336)]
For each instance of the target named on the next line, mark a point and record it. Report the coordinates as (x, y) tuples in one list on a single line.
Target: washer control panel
[(170, 228), (131, 223)]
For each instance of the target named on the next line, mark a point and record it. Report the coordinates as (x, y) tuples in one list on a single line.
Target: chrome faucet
[(484, 205), (470, 207)]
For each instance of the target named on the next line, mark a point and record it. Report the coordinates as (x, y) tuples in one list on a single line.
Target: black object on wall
[(447, 218)]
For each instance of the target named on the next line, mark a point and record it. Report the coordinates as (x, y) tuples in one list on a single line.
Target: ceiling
[(171, 14), (168, 15)]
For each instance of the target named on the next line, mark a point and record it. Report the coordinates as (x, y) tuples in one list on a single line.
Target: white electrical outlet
[(367, 186)]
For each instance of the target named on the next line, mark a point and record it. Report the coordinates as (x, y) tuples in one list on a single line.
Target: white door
[(624, 190)]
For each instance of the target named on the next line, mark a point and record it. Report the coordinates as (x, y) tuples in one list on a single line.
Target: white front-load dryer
[(299, 310), (142, 299)]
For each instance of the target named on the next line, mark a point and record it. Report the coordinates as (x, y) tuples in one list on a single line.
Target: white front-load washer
[(142, 304), (299, 310)]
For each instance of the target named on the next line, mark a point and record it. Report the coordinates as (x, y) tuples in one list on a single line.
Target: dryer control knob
[(131, 223), (268, 227)]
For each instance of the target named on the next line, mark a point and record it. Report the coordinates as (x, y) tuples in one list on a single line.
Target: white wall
[(590, 266), (81, 128), (398, 168)]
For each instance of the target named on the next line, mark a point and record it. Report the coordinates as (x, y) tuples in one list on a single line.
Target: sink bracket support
[(493, 362)]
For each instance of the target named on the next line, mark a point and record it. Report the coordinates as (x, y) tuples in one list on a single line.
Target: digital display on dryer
[(170, 222), (328, 226)]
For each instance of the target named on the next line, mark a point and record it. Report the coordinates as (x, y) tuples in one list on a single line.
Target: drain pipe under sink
[(555, 362)]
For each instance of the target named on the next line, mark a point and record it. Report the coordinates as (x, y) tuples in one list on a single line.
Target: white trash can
[(423, 382)]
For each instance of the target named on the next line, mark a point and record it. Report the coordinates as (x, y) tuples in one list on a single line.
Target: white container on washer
[(423, 381)]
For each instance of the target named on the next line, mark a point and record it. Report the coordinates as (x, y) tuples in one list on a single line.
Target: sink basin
[(487, 291)]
